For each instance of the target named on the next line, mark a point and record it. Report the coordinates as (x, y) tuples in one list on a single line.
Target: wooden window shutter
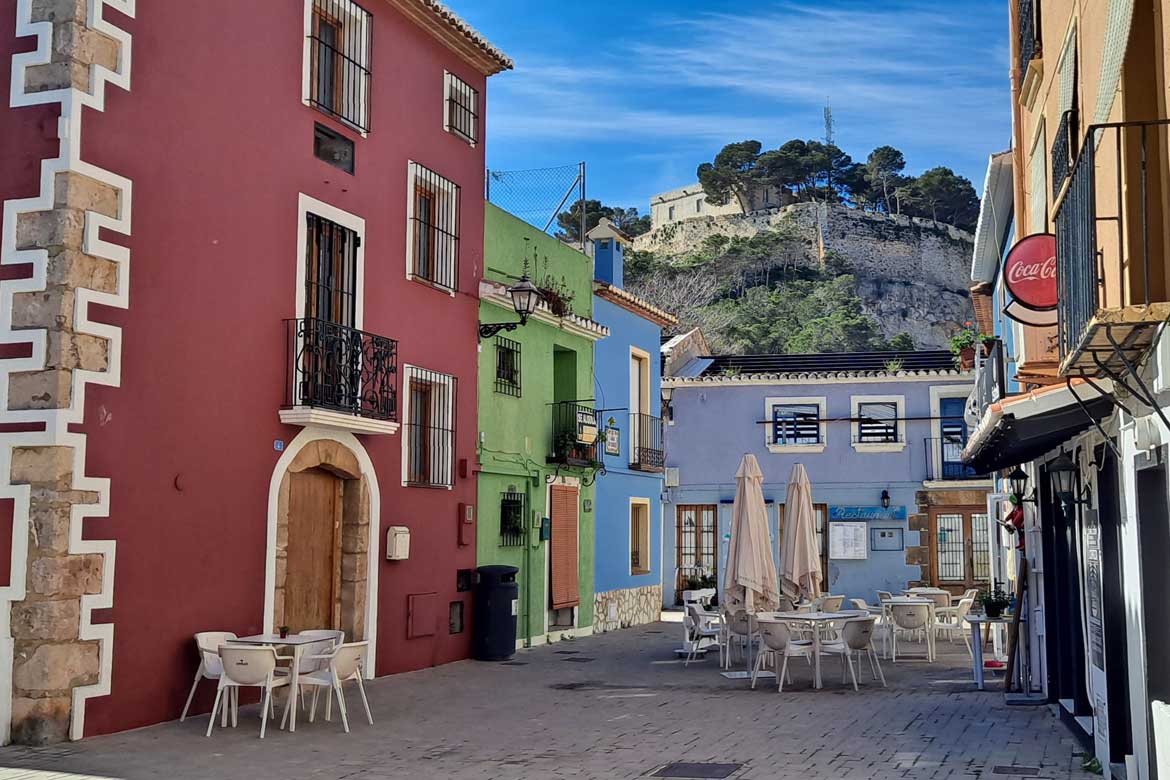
[(566, 591)]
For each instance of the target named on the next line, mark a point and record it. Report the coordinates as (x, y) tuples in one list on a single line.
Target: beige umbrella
[(800, 564), (750, 577)]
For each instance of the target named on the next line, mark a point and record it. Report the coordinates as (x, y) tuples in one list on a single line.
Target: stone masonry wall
[(631, 607), (912, 274), (57, 657)]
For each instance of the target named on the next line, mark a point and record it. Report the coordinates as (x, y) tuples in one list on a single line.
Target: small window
[(512, 519), (603, 243), (699, 206), (429, 437), (462, 114), (640, 538), (796, 424), (455, 617), (339, 59), (332, 147), (507, 366), (877, 423), (670, 212), (434, 228)]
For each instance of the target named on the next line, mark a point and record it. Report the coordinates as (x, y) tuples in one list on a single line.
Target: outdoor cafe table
[(816, 619), (297, 642), (977, 621)]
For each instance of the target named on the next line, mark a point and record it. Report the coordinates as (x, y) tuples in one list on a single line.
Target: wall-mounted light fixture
[(1017, 484), (1063, 473), (885, 499), (667, 409), (525, 297)]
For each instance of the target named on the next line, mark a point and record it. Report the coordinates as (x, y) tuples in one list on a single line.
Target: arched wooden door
[(312, 578)]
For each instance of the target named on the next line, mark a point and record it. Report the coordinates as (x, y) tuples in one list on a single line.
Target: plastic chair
[(911, 617), (884, 595), (342, 665), (954, 619), (248, 667), (207, 645), (831, 603), (701, 625), (776, 640), (741, 627), (857, 637)]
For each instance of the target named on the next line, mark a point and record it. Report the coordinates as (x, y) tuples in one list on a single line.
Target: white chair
[(702, 626), (776, 640), (831, 603), (342, 665), (740, 628), (207, 645), (857, 638), (884, 595), (911, 618), (954, 619), (248, 667), (313, 655)]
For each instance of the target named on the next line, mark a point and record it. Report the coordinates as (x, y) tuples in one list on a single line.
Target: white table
[(890, 627), (816, 618), (976, 622), (297, 642)]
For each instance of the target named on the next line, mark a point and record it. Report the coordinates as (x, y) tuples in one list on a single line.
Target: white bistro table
[(888, 616), (297, 642), (976, 622), (816, 619)]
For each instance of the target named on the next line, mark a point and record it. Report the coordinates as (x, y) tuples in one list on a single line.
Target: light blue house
[(628, 511), (880, 434)]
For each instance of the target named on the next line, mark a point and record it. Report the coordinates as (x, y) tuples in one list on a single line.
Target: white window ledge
[(781, 449), (338, 421), (890, 446)]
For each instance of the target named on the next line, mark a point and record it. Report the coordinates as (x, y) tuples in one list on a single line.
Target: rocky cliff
[(911, 274)]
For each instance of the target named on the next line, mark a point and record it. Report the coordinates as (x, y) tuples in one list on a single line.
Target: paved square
[(626, 715)]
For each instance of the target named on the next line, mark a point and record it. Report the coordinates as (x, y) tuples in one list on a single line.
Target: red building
[(239, 261)]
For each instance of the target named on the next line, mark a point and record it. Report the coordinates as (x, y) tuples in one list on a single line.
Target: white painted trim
[(822, 404), (496, 294), (958, 484), (844, 378), (57, 421), (447, 77), (634, 501), (306, 76), (307, 416), (583, 631), (306, 205), (447, 381), (447, 190), (350, 442), (937, 393), (899, 402)]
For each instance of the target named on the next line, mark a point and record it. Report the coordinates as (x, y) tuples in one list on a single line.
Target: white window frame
[(821, 402), (449, 80), (899, 402), (409, 372), (308, 205), (937, 393), (648, 568), (364, 61), (447, 190)]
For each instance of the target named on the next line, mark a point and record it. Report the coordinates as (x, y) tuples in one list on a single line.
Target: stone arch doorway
[(321, 576)]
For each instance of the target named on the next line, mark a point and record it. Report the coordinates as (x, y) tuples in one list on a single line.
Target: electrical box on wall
[(466, 524), (545, 529), (397, 543)]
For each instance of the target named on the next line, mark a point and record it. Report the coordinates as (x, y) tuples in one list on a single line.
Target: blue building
[(628, 511), (881, 435)]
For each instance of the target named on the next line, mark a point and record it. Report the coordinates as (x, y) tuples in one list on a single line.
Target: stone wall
[(59, 572), (616, 609), (912, 274)]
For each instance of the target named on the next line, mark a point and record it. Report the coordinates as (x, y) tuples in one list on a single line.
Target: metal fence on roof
[(539, 195)]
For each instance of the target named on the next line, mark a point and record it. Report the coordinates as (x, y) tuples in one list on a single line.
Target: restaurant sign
[(1029, 272), (867, 513)]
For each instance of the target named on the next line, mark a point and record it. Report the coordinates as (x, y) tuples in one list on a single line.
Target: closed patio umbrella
[(750, 580), (800, 564)]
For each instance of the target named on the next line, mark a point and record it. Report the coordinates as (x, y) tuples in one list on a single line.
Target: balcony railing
[(990, 378), (1110, 250), (944, 460), (646, 450), (575, 434), (1064, 150), (1029, 45), (331, 366)]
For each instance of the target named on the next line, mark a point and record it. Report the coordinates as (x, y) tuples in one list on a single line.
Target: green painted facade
[(516, 436)]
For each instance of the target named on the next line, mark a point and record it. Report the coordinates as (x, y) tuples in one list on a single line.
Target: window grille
[(429, 428), (330, 271), (878, 423), (796, 424), (639, 538), (507, 366), (512, 514), (434, 228), (462, 109), (339, 61)]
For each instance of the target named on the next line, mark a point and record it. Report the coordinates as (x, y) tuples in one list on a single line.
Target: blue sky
[(645, 90)]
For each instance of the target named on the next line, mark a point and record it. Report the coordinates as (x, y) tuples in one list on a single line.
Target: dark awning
[(1024, 427)]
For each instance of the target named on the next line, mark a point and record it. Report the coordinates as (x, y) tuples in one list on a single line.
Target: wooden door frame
[(968, 511)]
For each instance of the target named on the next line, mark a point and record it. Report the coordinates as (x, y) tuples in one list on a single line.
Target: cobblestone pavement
[(611, 706)]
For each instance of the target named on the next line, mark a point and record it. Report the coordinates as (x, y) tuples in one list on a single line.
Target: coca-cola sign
[(1030, 272)]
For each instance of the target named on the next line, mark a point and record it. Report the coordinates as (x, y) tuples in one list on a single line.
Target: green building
[(539, 449)]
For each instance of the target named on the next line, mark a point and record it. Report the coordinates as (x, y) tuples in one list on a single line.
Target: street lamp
[(1063, 473), (525, 296), (667, 409), (885, 499), (1018, 483)]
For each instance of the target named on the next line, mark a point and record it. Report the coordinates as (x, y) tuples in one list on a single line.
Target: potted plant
[(963, 346), (994, 602), (557, 295), (988, 343)]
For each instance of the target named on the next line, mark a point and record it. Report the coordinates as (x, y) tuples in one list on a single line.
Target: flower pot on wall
[(967, 358)]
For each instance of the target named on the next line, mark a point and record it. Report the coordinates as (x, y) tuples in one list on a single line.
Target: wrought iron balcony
[(1029, 45), (646, 450), (944, 460), (1064, 150), (1111, 252), (990, 378), (575, 432), (341, 369)]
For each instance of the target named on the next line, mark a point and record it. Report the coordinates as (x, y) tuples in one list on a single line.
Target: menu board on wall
[(848, 541), (1092, 547)]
